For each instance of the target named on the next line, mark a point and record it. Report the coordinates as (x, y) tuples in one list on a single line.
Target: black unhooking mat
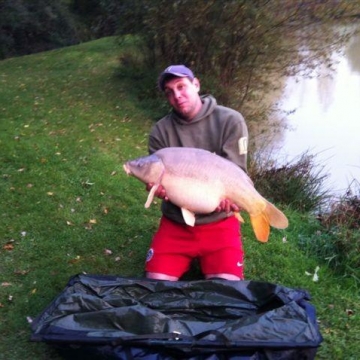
[(110, 317)]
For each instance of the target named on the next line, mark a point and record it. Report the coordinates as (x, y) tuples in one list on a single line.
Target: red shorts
[(217, 245)]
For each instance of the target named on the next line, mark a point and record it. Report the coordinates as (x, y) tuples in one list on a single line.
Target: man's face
[(183, 95)]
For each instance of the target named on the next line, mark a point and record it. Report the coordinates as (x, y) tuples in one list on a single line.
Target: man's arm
[(234, 145)]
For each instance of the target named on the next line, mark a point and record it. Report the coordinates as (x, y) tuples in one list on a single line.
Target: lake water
[(326, 121)]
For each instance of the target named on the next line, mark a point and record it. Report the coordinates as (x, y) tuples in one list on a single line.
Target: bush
[(297, 183), (239, 46), (345, 211), (101, 17), (30, 27), (341, 223)]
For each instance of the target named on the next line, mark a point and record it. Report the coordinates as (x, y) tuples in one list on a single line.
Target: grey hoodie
[(215, 128)]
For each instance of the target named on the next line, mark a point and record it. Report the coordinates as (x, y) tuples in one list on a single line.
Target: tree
[(31, 26), (102, 17), (241, 47)]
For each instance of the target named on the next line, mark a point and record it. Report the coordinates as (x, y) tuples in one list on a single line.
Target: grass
[(68, 122)]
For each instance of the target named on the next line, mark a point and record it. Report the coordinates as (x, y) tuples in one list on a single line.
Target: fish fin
[(270, 216), (150, 197), (261, 226), (276, 218), (239, 217), (189, 216)]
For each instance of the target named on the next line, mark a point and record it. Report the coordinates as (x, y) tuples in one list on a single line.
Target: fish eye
[(141, 163)]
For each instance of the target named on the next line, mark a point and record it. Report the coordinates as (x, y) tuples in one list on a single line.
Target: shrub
[(337, 239), (34, 26), (297, 183), (345, 211), (240, 46), (101, 17)]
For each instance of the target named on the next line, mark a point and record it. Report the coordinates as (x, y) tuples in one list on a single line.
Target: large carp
[(197, 180)]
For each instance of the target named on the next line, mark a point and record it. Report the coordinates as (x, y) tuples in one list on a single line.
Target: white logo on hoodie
[(243, 142)]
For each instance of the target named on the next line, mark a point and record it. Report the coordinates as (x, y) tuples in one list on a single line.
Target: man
[(197, 121)]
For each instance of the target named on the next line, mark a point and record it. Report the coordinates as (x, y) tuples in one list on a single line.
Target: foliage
[(28, 27), (345, 211), (68, 124), (237, 48), (338, 247), (298, 183), (101, 18), (338, 241)]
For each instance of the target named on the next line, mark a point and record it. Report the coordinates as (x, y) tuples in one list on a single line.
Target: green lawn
[(68, 122)]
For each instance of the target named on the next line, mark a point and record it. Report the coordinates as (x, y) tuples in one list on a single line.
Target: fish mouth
[(127, 169)]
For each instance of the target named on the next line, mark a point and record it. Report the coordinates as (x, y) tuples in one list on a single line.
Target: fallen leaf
[(6, 284), (107, 252), (33, 291), (113, 173), (8, 247), (92, 221), (316, 277), (75, 260), (72, 261), (21, 272), (50, 193), (87, 183)]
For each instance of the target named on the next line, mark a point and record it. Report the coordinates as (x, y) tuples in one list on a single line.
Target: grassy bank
[(68, 122)]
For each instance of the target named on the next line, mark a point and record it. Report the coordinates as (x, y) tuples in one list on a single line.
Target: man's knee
[(159, 276), (222, 276)]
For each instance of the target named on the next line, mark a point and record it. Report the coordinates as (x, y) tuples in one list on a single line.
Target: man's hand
[(227, 206), (160, 191)]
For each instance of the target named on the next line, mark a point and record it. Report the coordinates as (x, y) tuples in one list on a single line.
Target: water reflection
[(327, 119)]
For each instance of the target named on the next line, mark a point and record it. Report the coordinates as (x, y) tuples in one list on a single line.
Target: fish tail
[(276, 218), (261, 226), (270, 216)]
